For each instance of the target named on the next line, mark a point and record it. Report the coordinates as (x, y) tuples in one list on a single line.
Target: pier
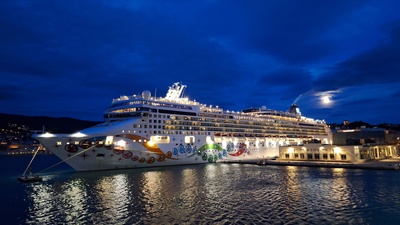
[(383, 164)]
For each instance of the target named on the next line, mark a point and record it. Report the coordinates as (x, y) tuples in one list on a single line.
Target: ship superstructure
[(143, 131)]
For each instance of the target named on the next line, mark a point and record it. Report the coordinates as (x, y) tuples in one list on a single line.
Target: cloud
[(295, 31), (72, 58), (380, 65)]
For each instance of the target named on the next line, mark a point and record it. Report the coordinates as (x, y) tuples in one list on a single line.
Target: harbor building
[(335, 153), (358, 136), (352, 145)]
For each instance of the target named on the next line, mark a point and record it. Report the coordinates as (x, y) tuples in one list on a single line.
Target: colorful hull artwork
[(131, 151)]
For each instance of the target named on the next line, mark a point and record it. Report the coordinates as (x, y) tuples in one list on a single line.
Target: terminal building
[(355, 145)]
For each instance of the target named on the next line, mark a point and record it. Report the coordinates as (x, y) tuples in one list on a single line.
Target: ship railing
[(160, 99)]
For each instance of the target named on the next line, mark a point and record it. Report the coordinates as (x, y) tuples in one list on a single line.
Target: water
[(199, 194)]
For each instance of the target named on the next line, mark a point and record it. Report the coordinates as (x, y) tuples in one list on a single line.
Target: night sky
[(71, 58)]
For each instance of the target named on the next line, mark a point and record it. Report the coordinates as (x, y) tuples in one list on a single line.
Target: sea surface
[(198, 194)]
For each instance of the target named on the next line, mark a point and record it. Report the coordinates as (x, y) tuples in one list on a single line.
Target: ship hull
[(92, 153)]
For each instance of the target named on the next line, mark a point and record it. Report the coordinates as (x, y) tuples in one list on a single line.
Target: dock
[(384, 164)]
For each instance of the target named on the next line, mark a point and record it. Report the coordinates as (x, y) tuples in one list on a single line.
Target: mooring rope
[(29, 165), (68, 158)]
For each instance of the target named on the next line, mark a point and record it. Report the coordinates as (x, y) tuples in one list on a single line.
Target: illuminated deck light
[(78, 134), (337, 150), (47, 135)]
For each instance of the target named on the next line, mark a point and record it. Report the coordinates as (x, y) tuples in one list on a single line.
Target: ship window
[(309, 156), (145, 126), (286, 156), (189, 139), (316, 156), (160, 139), (344, 157), (150, 121), (150, 126), (134, 125), (150, 115), (109, 140), (325, 156), (58, 142), (331, 156)]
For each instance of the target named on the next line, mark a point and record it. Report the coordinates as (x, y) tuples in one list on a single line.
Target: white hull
[(137, 152)]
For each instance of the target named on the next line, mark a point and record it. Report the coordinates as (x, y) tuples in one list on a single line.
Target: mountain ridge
[(51, 124)]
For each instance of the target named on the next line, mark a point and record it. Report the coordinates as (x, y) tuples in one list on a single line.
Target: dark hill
[(51, 124)]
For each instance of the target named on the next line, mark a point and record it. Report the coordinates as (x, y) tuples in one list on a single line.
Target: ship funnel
[(294, 109)]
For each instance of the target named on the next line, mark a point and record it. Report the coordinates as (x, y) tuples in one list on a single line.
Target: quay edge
[(384, 164)]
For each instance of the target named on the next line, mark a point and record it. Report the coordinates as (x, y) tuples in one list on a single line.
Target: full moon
[(326, 99)]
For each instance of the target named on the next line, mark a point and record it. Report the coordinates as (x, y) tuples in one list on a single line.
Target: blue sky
[(71, 58)]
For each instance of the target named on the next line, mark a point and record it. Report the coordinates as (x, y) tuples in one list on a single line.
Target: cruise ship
[(146, 131)]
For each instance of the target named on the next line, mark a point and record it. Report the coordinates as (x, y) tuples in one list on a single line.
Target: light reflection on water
[(217, 194)]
